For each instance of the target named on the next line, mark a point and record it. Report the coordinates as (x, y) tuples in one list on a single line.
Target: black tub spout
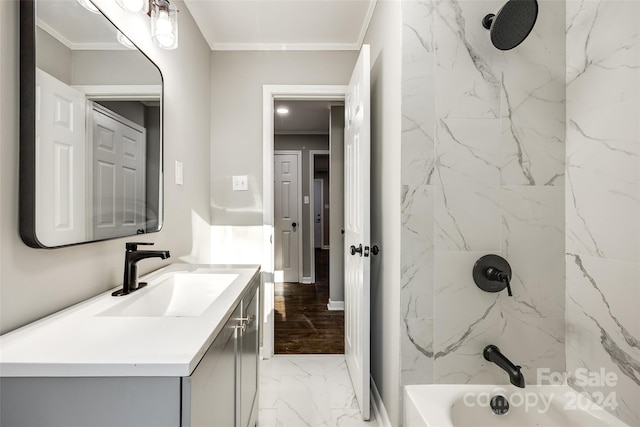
[(493, 354)]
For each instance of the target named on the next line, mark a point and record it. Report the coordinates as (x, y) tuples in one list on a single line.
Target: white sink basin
[(173, 295)]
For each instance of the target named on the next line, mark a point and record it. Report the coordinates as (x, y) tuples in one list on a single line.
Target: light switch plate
[(179, 173), (240, 183), (306, 200)]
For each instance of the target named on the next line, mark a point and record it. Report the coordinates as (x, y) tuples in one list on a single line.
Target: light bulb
[(163, 24)]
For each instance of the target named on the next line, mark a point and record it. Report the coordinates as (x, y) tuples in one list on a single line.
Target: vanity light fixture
[(164, 24), (164, 19), (134, 6), (282, 110), (89, 6)]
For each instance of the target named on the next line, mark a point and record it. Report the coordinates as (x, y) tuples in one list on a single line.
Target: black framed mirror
[(90, 128)]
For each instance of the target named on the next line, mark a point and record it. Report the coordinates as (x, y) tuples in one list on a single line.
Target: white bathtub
[(445, 405)]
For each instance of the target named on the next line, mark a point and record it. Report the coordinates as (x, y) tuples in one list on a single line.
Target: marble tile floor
[(308, 391)]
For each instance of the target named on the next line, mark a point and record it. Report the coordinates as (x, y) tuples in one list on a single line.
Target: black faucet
[(493, 354), (131, 258)]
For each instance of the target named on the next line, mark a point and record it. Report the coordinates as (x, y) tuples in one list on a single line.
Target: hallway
[(303, 324)]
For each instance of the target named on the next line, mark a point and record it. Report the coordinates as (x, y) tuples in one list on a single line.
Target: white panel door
[(60, 162), (357, 157), (119, 197), (286, 217)]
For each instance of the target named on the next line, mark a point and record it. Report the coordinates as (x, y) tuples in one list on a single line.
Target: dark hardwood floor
[(303, 324)]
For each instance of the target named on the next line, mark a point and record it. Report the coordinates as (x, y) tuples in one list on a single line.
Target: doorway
[(356, 232), (304, 320)]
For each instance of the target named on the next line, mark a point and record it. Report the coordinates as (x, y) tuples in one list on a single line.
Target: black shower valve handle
[(508, 282), (492, 273)]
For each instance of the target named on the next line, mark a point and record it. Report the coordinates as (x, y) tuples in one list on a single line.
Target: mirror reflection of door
[(118, 173), (60, 153)]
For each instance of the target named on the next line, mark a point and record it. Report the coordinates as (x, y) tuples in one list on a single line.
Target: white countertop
[(79, 342)]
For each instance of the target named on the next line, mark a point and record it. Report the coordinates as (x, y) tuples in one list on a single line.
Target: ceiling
[(304, 117), (76, 27), (231, 24), (282, 24)]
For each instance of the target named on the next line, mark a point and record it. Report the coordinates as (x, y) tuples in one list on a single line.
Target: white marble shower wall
[(603, 198), (482, 172)]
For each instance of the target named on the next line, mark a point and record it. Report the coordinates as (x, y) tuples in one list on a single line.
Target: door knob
[(375, 250), (355, 250), (294, 225), (342, 231)]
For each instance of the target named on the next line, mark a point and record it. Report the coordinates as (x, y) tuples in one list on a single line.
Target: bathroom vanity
[(182, 351)]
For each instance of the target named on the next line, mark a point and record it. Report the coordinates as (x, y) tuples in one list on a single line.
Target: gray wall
[(35, 282), (132, 110), (236, 136), (384, 36), (53, 57), (336, 204), (603, 198), (94, 67), (303, 143)]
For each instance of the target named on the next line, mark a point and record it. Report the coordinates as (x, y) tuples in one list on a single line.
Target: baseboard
[(335, 305), (307, 280), (377, 407), (278, 276)]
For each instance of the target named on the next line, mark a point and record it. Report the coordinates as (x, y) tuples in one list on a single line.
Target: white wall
[(384, 36), (35, 282), (236, 136)]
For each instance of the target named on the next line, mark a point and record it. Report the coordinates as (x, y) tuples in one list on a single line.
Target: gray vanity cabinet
[(222, 390), (249, 359), (209, 395)]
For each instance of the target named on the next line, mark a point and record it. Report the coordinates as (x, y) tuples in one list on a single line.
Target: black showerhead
[(512, 24)]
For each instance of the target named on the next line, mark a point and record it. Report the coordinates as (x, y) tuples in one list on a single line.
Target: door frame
[(271, 93), (320, 182), (298, 154), (312, 201)]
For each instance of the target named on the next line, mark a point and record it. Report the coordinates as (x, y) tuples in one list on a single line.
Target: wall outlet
[(240, 183)]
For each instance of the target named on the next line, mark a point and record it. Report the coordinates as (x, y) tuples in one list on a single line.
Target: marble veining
[(308, 391), (467, 65), (483, 171), (467, 177), (603, 198)]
